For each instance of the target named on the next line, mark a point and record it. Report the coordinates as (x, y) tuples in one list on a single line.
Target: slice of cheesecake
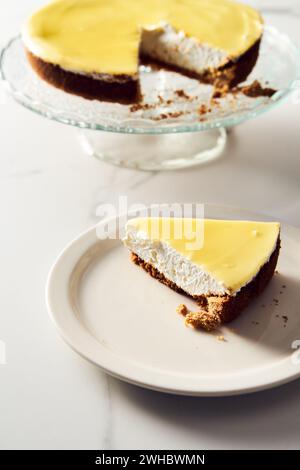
[(222, 264), (92, 47)]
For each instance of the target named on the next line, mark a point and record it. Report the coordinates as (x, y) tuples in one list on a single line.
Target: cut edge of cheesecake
[(126, 89)]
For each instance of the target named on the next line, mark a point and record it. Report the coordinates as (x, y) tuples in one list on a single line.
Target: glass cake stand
[(178, 124)]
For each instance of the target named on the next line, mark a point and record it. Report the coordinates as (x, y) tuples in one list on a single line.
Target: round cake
[(93, 47)]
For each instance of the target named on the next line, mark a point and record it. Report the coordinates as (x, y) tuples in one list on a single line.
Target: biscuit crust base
[(224, 307), (125, 89), (122, 89)]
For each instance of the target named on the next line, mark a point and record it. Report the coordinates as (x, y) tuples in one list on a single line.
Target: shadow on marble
[(259, 420), (273, 318)]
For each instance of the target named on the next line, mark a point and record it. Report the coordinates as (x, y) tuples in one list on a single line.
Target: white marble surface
[(49, 190)]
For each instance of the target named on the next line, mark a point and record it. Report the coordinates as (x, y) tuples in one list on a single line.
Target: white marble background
[(49, 396)]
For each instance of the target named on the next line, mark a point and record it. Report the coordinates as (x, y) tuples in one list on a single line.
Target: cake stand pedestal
[(154, 152)]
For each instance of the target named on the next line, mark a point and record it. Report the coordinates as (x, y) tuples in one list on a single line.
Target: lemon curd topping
[(232, 252), (104, 36)]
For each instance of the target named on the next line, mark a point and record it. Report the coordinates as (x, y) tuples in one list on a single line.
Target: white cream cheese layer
[(176, 48), (175, 267)]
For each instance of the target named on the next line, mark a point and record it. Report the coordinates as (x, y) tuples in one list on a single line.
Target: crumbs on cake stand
[(180, 96), (221, 338), (183, 94), (253, 90)]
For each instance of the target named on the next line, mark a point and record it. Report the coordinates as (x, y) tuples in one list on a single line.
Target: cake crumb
[(182, 94), (221, 338), (199, 320), (255, 90), (203, 109), (141, 107), (221, 90), (163, 101), (182, 310), (171, 115), (202, 320)]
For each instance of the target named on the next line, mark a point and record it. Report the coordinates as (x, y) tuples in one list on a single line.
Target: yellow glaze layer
[(103, 36), (231, 251)]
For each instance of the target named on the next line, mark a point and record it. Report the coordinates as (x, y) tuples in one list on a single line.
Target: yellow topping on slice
[(231, 251)]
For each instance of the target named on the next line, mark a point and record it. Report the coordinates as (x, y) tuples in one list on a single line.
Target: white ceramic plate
[(115, 315)]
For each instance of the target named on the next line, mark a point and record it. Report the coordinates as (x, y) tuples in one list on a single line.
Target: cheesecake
[(221, 264), (93, 48)]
